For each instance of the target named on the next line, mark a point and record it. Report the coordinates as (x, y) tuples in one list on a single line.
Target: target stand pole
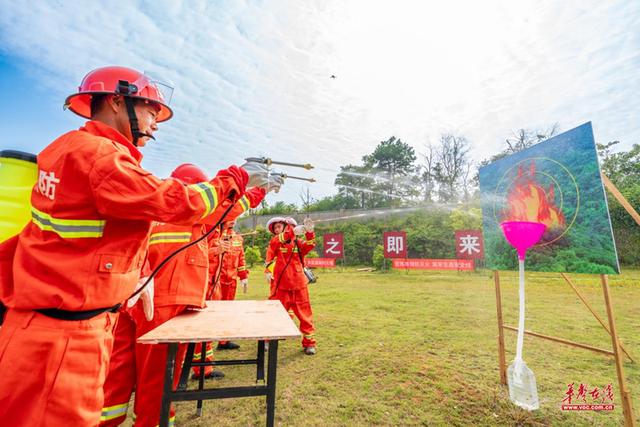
[(593, 311), (625, 396), (501, 348)]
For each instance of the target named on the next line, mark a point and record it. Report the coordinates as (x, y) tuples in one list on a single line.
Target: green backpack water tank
[(18, 175)]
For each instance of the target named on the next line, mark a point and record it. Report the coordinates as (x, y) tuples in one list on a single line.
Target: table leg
[(260, 362), (271, 382), (203, 358), (186, 367), (168, 385)]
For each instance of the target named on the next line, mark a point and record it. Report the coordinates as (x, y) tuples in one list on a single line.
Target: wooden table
[(223, 321)]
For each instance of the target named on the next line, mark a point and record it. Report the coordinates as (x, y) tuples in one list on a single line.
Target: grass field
[(421, 349)]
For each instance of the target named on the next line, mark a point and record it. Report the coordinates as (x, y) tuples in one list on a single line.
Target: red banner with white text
[(320, 262), (433, 264)]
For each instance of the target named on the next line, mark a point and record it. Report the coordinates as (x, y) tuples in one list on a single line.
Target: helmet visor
[(153, 88)]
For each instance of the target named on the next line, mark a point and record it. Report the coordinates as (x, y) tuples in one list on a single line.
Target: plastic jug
[(18, 175)]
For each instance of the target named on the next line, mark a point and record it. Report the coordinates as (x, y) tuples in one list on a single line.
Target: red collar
[(100, 129)]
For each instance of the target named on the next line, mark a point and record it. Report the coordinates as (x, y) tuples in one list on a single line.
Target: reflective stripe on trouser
[(114, 412), (121, 377), (208, 357), (298, 301), (60, 383)]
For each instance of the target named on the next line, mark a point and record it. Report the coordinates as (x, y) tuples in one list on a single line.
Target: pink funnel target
[(522, 234)]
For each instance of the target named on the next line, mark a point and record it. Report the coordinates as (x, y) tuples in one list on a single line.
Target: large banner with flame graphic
[(556, 182)]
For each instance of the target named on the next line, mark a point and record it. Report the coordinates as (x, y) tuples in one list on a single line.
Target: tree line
[(393, 175)]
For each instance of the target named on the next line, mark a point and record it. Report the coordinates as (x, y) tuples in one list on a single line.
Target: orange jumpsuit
[(233, 266), (181, 284), (91, 215), (217, 288), (289, 284)]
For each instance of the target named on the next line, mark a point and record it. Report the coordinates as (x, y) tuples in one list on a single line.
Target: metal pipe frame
[(181, 394)]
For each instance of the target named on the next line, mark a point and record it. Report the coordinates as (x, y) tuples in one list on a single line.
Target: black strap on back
[(300, 253), (216, 280), (57, 313)]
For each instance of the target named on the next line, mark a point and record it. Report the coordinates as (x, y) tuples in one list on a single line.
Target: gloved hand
[(225, 245), (245, 285), (258, 174), (269, 277), (239, 175), (299, 230), (275, 182), (146, 296), (259, 177), (308, 225)]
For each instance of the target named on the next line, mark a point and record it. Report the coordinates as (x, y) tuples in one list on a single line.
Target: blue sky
[(252, 78)]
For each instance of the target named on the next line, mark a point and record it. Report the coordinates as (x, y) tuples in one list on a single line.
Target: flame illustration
[(528, 201)]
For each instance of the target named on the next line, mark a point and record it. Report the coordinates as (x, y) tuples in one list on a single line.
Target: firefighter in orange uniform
[(289, 284), (233, 268), (65, 275), (218, 250), (180, 285)]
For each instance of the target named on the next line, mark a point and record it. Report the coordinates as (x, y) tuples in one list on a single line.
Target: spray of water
[(368, 214), (374, 213), (378, 177), (375, 177), (366, 190)]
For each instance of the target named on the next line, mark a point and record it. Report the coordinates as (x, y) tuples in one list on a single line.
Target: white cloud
[(252, 78)]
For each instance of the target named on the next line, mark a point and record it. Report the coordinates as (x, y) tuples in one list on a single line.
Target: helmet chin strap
[(127, 89), (133, 121)]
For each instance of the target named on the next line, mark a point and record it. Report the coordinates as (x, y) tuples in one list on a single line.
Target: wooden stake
[(501, 351), (620, 198), (586, 303), (625, 396)]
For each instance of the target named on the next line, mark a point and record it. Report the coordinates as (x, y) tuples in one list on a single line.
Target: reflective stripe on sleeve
[(68, 228), (208, 194), (169, 237), (244, 202), (115, 411)]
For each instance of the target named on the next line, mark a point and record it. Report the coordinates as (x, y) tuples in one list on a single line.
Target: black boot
[(229, 345), (213, 374)]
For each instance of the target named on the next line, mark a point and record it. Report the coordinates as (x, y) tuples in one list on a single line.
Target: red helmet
[(189, 174), (108, 80)]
